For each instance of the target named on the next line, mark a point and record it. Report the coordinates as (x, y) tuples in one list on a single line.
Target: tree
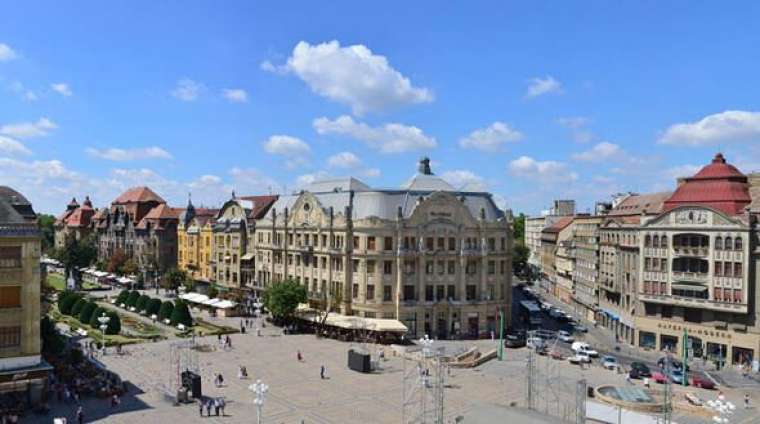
[(518, 228), (282, 299), (154, 306), (134, 295), (52, 342), (129, 267), (122, 298), (166, 310), (47, 223), (181, 314), (116, 261), (86, 315), (142, 302), (173, 279), (520, 257), (77, 254), (77, 308), (66, 301), (213, 292), (97, 313), (114, 325)]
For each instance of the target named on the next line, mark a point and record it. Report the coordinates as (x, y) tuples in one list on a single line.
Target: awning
[(689, 287), (247, 257), (194, 297), (611, 314), (358, 323)]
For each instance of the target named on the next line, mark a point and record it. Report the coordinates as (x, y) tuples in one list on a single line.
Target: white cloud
[(492, 138), (728, 126), (61, 88), (349, 161), (465, 180), (25, 94), (235, 95), (6, 53), (9, 146), (293, 149), (351, 75), (578, 128), (540, 86), (122, 155), (390, 138), (41, 128), (542, 171), (601, 152), (306, 179), (187, 90)]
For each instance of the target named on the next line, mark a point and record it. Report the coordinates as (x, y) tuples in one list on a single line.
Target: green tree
[(77, 254), (52, 342), (47, 223), (142, 302), (518, 228), (129, 267), (134, 295), (520, 257), (154, 306), (66, 301), (116, 261), (173, 279), (213, 292), (123, 296), (77, 308), (166, 310), (282, 299), (114, 325), (181, 314), (87, 311)]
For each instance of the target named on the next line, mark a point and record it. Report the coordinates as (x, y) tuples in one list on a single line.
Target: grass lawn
[(209, 329), (111, 339), (56, 281)]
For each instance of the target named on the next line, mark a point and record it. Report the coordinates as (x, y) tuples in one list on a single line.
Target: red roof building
[(719, 185)]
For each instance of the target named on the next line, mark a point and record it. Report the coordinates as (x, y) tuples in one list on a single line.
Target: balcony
[(689, 302), (690, 276), (700, 251)]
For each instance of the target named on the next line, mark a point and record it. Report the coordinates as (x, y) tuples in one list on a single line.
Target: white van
[(584, 347)]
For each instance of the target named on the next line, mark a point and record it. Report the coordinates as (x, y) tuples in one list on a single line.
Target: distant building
[(434, 257), (585, 254), (195, 242), (75, 222), (562, 208), (22, 370), (556, 262)]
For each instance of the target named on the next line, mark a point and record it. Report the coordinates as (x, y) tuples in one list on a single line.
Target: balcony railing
[(690, 276), (701, 251), (694, 302)]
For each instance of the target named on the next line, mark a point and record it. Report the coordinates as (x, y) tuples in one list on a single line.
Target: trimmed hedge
[(142, 303), (181, 314), (97, 313), (166, 310), (66, 301), (114, 326), (77, 308), (153, 307), (123, 296), (87, 311), (132, 299)]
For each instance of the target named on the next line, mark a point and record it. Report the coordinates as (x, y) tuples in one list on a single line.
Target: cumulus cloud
[(465, 180), (351, 75), (306, 179), (723, 127), (6, 53), (122, 155), (235, 95), (9, 146), (41, 128), (543, 171), (389, 138), (491, 138), (293, 149), (187, 90), (541, 86), (351, 162), (601, 152), (61, 88)]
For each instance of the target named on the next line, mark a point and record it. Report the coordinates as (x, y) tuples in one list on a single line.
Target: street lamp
[(103, 320), (259, 389)]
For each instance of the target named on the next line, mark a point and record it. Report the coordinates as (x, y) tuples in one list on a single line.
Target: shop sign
[(694, 331)]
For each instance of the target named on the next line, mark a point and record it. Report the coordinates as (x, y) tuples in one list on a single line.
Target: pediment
[(693, 216)]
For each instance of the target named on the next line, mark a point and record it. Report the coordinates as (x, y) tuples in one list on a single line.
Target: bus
[(530, 312)]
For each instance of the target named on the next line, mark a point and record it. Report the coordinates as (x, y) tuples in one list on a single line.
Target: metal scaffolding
[(182, 357), (423, 388)]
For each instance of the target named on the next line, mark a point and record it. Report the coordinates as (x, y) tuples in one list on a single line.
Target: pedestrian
[(646, 382), (216, 407), (222, 404), (322, 372), (746, 401), (298, 355), (219, 338), (208, 407), (221, 380), (258, 332), (80, 415), (200, 407)]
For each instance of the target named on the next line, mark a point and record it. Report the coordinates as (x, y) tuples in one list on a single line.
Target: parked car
[(659, 377), (584, 347), (676, 376), (580, 328), (565, 336), (556, 313), (580, 358), (546, 306), (514, 341), (535, 343), (701, 381), (609, 362), (674, 363), (642, 370)]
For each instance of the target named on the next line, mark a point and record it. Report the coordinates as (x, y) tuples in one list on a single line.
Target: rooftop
[(139, 195)]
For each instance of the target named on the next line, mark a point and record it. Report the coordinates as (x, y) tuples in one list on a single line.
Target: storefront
[(27, 385)]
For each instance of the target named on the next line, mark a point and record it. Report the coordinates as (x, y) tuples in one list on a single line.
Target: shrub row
[(176, 312), (87, 312)]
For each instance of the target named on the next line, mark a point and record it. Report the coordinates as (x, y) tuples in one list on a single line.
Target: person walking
[(208, 407), (322, 371), (222, 404), (746, 401), (200, 407), (80, 415), (299, 356), (216, 407)]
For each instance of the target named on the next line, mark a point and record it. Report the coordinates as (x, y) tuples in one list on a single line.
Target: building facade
[(75, 222), (556, 275), (533, 228), (433, 257), (585, 253), (21, 366), (195, 242)]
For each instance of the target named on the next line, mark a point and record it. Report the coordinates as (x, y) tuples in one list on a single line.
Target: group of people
[(225, 342), (217, 404)]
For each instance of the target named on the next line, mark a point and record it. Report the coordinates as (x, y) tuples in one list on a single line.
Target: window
[(738, 243), (356, 242), (737, 296), (10, 297), (10, 336), (664, 242), (355, 265), (718, 243), (429, 267), (471, 291), (667, 311), (10, 256), (441, 243), (452, 243), (472, 268), (429, 243), (503, 243), (409, 292), (371, 243), (387, 290), (370, 267), (388, 267), (388, 243), (452, 267), (451, 292), (491, 267), (355, 291), (428, 293), (370, 292), (719, 269), (729, 243), (502, 267), (647, 241), (737, 269), (491, 244), (656, 241), (440, 293), (441, 267), (718, 294)]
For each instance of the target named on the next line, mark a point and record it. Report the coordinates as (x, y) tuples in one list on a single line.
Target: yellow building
[(21, 366), (195, 242)]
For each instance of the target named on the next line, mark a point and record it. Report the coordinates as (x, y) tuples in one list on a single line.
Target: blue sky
[(531, 102)]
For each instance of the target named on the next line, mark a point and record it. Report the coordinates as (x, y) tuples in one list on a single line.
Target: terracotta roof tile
[(261, 205), (138, 195)]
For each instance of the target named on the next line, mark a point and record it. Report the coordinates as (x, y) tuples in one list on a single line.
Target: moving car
[(642, 370), (565, 336), (580, 358), (584, 347), (556, 313), (514, 341), (702, 381), (609, 362), (676, 376)]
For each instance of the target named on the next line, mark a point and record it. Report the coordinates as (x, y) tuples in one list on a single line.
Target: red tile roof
[(718, 185), (138, 195), (163, 211), (261, 205), (636, 204), (559, 225)]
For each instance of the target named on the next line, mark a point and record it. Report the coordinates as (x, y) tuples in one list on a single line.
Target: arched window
[(738, 243), (656, 241), (719, 243), (664, 242), (647, 241), (728, 243)]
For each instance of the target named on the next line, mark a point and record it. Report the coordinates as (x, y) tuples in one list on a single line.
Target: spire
[(73, 204), (424, 166), (87, 202)]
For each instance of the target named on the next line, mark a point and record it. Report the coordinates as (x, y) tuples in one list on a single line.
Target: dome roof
[(718, 185)]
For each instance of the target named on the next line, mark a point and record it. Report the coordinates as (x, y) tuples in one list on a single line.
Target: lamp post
[(259, 389), (103, 320)]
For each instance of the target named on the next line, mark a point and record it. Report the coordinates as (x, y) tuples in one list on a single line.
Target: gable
[(693, 216)]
